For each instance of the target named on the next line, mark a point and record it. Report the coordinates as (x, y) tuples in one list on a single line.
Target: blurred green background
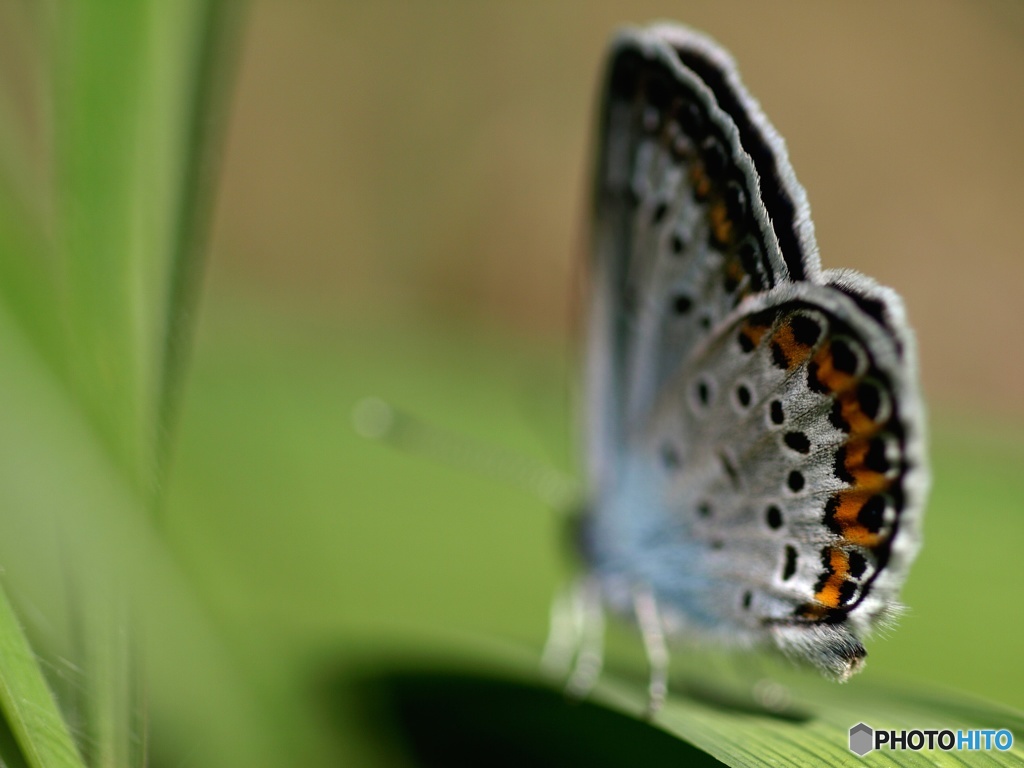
[(400, 215)]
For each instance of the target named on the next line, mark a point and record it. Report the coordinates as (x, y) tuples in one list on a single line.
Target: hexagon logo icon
[(862, 739)]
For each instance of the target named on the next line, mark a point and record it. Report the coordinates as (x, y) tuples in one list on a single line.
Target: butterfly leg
[(565, 627), (646, 609), (590, 633)]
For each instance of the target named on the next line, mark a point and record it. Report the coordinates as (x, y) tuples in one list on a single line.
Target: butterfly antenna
[(376, 419)]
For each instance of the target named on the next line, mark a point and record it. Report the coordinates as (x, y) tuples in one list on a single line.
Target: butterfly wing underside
[(755, 434)]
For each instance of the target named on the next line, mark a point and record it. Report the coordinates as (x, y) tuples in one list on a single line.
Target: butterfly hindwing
[(790, 445)]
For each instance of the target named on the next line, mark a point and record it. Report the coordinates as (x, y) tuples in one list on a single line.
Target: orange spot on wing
[(813, 611), (721, 224), (839, 569), (701, 182), (831, 378), (861, 536), (864, 479), (860, 424), (753, 332), (792, 350), (845, 516)]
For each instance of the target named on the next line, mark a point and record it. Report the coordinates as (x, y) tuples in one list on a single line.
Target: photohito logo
[(864, 739)]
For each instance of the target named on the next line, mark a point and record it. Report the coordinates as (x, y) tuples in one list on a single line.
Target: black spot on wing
[(670, 457), (844, 359), (797, 441), (743, 395), (872, 514), (681, 304), (789, 568), (703, 392), (876, 459), (846, 592), (869, 399), (659, 213), (779, 356), (805, 330), (858, 564), (836, 418), (730, 470)]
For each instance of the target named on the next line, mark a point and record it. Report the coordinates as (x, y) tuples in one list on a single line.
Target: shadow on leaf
[(449, 718)]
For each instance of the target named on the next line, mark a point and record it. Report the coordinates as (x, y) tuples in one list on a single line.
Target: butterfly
[(755, 438)]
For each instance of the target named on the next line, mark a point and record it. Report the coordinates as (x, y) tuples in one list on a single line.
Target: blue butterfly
[(756, 469)]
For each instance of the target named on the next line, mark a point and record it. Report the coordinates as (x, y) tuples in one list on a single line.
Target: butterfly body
[(755, 432)]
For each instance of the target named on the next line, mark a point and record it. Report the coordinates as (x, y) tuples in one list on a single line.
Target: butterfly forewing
[(680, 231)]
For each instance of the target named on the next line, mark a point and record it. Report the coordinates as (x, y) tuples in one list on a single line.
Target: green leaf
[(813, 729), (491, 700), (26, 701)]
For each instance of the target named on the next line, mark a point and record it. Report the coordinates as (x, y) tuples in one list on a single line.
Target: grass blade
[(203, 111), (107, 245), (27, 703), (139, 87), (73, 526)]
